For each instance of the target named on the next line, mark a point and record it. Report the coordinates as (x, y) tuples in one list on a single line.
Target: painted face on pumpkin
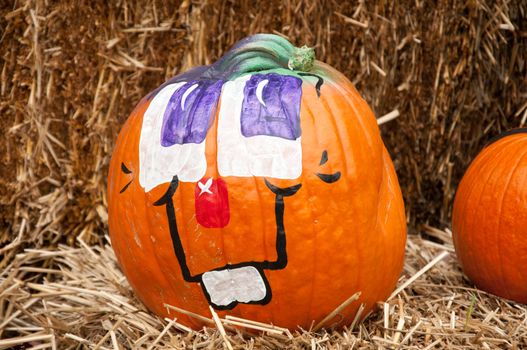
[(259, 179), (208, 137)]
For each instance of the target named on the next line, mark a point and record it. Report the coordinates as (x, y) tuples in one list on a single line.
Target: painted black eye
[(127, 171), (124, 169), (328, 178)]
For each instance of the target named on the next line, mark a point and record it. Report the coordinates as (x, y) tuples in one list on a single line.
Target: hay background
[(71, 73)]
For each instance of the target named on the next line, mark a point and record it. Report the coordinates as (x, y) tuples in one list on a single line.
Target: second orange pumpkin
[(490, 218)]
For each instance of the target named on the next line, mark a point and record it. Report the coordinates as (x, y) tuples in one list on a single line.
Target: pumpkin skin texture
[(297, 234), (490, 216)]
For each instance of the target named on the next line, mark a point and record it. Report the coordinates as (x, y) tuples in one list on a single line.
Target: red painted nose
[(212, 203)]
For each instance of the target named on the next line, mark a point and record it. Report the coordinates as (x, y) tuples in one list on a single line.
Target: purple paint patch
[(271, 106), (190, 112)]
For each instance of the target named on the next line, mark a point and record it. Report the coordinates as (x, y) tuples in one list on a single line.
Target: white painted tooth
[(243, 284)]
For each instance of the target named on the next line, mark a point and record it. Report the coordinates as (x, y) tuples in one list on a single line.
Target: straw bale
[(71, 72), (68, 297)]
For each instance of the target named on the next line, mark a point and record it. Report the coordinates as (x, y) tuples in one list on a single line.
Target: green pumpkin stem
[(302, 59), (263, 52)]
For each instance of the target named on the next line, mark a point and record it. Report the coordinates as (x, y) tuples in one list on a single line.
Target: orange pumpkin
[(259, 185), (489, 218)]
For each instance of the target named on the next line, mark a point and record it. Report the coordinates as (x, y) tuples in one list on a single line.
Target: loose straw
[(337, 310), (419, 273)]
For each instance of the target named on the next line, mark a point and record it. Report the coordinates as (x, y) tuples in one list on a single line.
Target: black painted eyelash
[(324, 158), (127, 171)]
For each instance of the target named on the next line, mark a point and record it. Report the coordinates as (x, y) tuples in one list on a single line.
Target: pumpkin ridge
[(492, 166), (379, 191), (251, 59), (354, 100), (269, 44), (117, 157), (112, 190), (123, 137), (314, 271), (263, 233), (329, 110), (371, 144), (524, 185), (478, 193), (328, 106), (252, 62), (263, 37), (160, 267), (389, 185), (502, 201), (149, 242), (467, 191)]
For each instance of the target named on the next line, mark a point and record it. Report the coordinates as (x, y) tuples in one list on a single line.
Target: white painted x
[(205, 187)]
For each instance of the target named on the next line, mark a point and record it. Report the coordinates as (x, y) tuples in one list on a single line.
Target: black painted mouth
[(279, 263)]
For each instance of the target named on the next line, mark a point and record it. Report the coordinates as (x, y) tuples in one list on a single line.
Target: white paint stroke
[(185, 95), (259, 90), (205, 188)]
